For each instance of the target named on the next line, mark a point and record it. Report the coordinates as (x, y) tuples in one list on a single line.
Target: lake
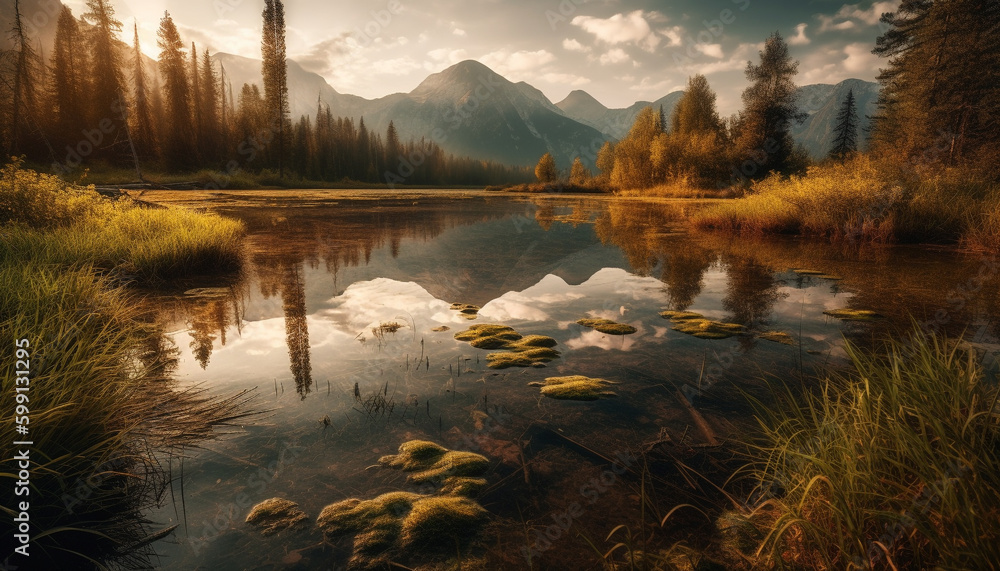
[(338, 323)]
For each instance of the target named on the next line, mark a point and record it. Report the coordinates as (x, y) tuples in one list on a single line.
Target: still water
[(301, 326)]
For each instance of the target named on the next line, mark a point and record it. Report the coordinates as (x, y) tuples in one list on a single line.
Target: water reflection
[(322, 276)]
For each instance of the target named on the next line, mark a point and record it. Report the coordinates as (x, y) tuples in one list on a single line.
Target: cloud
[(851, 16), (459, 32), (613, 56), (799, 39), (444, 56), (860, 59), (674, 34), (621, 29), (574, 46), (839, 63), (564, 79), (518, 66), (711, 50)]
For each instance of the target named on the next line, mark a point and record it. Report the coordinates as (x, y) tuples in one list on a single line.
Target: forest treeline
[(93, 102), (939, 108)]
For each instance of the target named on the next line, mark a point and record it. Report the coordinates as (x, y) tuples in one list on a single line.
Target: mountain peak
[(579, 102)]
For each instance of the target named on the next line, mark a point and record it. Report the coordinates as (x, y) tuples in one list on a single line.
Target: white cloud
[(396, 66), (837, 64), (574, 46), (850, 15), (444, 56), (621, 29), (518, 66), (564, 79), (800, 38), (711, 50), (860, 59), (613, 56), (674, 35), (459, 32)]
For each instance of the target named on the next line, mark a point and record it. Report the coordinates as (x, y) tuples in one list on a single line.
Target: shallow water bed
[(345, 321)]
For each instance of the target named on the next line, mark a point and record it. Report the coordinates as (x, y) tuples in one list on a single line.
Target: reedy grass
[(864, 200), (896, 465), (102, 403)]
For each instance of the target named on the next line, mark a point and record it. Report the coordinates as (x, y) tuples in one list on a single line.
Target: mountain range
[(471, 110)]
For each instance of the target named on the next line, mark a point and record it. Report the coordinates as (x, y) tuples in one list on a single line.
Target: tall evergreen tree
[(23, 82), (177, 140), (196, 99), (107, 86), (274, 69), (940, 97), (68, 79), (142, 119), (211, 132), (845, 132), (769, 108), (695, 111)]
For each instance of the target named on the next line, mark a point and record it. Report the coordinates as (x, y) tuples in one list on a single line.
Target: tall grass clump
[(893, 466), (103, 405), (862, 199)]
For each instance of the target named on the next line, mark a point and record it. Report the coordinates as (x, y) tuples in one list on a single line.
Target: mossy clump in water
[(574, 387), (276, 514), (708, 329), (520, 351), (607, 326), (777, 337), (680, 315), (809, 272), (854, 314), (467, 310), (429, 461), (389, 524), (458, 486), (830, 277), (440, 328)]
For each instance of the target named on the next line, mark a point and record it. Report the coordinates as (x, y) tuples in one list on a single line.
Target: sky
[(619, 51)]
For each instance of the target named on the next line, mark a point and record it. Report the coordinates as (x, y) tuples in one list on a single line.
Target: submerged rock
[(519, 350), (854, 314), (574, 387), (276, 514), (428, 461), (607, 326)]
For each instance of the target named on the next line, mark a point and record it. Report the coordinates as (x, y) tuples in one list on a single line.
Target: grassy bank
[(866, 200), (101, 399), (893, 466)]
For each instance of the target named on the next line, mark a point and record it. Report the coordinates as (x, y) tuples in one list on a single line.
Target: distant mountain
[(615, 123), (822, 103)]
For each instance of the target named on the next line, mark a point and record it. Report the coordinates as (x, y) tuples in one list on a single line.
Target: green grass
[(868, 201), (896, 465), (103, 406)]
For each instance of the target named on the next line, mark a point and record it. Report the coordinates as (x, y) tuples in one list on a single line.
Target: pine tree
[(545, 170), (180, 131), (606, 161), (845, 132), (769, 108), (274, 69), (197, 102), (68, 81), (107, 88), (940, 98), (142, 121), (23, 84), (211, 132), (695, 111)]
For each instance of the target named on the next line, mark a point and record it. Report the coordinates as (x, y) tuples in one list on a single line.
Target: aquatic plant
[(708, 329), (680, 315), (520, 351), (777, 337), (607, 326), (427, 461), (276, 514), (467, 310), (574, 387), (895, 464), (853, 314)]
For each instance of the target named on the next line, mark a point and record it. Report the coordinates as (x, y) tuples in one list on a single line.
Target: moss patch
[(428, 461), (276, 514), (607, 326), (680, 315), (574, 387), (831, 277), (467, 310), (809, 272), (854, 314), (777, 337), (520, 351), (440, 328), (708, 329), (467, 487)]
